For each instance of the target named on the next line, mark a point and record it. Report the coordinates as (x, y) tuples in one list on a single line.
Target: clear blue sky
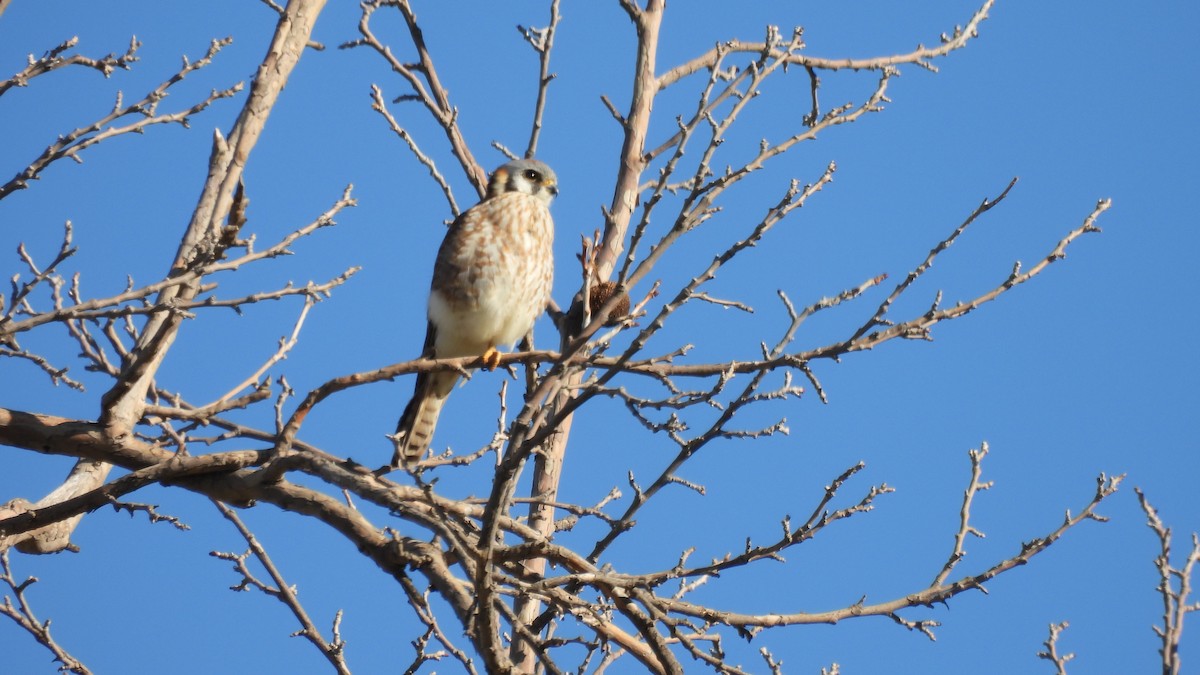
[(1088, 369)]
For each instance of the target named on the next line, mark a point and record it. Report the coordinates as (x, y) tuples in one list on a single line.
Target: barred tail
[(415, 429)]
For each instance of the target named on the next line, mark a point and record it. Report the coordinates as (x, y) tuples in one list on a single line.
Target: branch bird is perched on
[(491, 280)]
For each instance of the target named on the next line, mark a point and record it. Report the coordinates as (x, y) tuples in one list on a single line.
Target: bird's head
[(524, 175)]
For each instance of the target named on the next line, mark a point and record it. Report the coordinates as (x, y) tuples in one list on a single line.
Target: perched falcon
[(491, 280)]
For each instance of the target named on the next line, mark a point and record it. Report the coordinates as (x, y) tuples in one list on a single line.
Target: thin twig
[(334, 652)]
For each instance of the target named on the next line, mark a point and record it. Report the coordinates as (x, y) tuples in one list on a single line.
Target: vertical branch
[(1051, 654), (547, 471), (1175, 587), (964, 514), (636, 125), (542, 41), (548, 463)]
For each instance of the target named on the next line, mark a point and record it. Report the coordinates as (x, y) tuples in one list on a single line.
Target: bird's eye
[(532, 175)]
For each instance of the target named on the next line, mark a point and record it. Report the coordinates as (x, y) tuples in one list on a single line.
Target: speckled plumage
[(491, 280)]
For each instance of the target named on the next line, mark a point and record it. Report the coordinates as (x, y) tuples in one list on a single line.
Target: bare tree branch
[(22, 613), (423, 78), (56, 58), (1051, 654), (1175, 588), (332, 651), (378, 105), (542, 41), (145, 114)]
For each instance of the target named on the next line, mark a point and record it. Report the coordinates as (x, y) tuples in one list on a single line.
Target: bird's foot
[(490, 359)]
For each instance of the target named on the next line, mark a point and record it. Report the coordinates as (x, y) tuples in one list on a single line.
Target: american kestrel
[(491, 280)]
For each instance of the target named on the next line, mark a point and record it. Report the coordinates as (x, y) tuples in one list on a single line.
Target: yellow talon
[(490, 358)]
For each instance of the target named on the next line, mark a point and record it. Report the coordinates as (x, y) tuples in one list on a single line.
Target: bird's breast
[(493, 275)]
